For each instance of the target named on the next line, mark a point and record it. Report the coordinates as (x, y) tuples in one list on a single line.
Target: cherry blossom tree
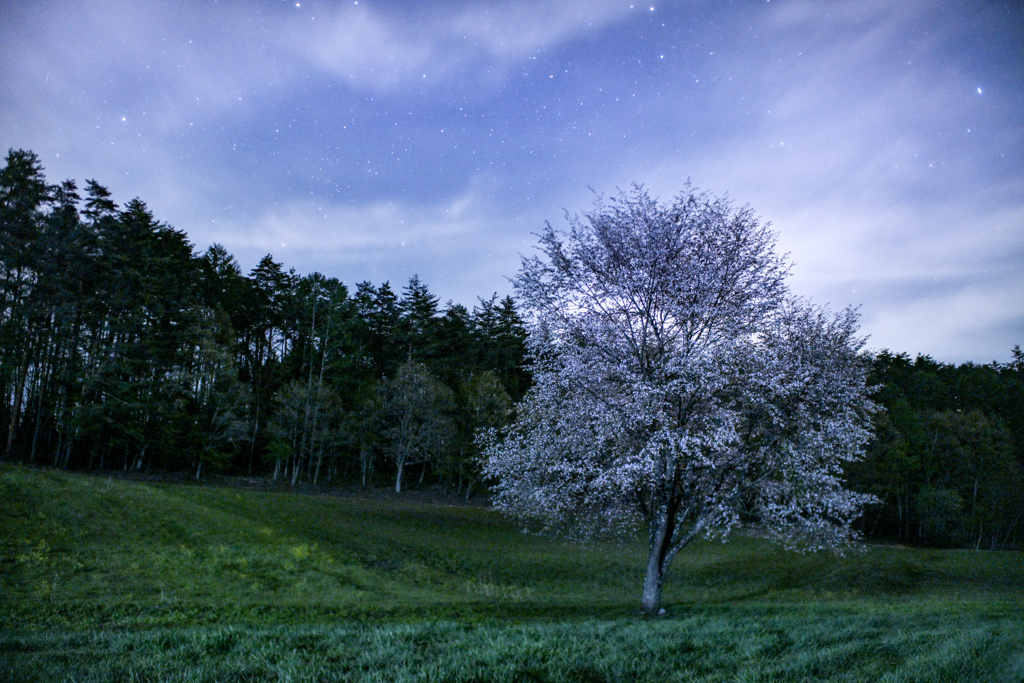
[(679, 386)]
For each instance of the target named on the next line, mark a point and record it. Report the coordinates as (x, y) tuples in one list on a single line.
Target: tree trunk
[(39, 422), (655, 577), (398, 479), (319, 462), (40, 393), (667, 537), (19, 387), (252, 441), (140, 459)]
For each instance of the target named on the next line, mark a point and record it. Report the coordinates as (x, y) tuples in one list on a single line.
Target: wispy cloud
[(462, 247), (178, 64), (944, 324), (363, 48), (513, 30), (354, 230), (370, 49)]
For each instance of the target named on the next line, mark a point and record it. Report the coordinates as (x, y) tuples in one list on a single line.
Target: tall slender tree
[(24, 196)]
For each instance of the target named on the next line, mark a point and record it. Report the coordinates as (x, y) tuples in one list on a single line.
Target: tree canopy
[(679, 386)]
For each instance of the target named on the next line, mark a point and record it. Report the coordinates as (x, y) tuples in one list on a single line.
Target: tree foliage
[(678, 386), (122, 348), (413, 411), (948, 457)]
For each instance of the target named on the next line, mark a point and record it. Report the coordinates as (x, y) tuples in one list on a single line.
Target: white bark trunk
[(655, 576)]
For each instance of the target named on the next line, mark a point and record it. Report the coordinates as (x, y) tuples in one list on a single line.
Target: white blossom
[(679, 386)]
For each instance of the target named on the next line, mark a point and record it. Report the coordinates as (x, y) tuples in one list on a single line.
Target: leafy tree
[(413, 411), (119, 347), (510, 343), (483, 405), (305, 429), (946, 459), (318, 364), (678, 386), (73, 267), (219, 401), (224, 289), (137, 381)]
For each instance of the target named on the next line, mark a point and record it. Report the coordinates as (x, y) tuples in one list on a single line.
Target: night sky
[(372, 140)]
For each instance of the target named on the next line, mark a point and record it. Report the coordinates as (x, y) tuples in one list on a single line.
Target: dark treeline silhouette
[(122, 348), (947, 459)]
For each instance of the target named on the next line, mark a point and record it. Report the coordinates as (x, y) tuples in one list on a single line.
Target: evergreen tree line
[(120, 347), (123, 348), (947, 459)]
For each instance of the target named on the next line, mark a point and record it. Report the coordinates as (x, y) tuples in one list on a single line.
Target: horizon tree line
[(123, 348)]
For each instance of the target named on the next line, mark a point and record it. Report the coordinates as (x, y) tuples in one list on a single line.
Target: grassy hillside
[(111, 580)]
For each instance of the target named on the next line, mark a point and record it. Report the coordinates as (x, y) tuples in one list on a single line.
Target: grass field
[(108, 580)]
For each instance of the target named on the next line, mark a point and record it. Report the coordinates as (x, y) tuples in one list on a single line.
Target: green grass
[(103, 579), (729, 645)]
